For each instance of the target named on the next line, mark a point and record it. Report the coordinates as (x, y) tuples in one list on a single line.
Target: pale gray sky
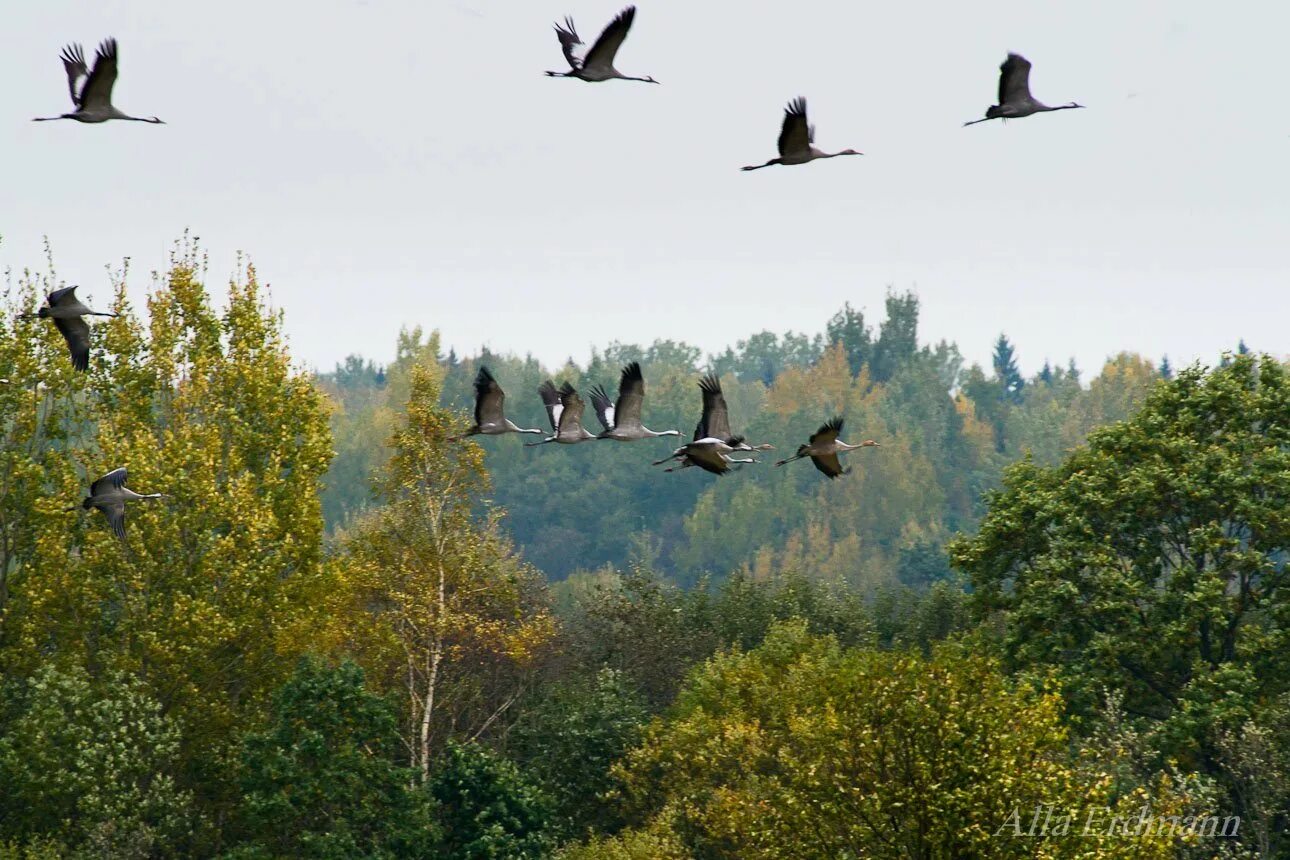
[(396, 162)]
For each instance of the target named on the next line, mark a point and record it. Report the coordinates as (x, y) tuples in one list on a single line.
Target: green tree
[(485, 807), (897, 336), (847, 327), (322, 780), (93, 769), (1153, 560), (640, 625), (570, 739)]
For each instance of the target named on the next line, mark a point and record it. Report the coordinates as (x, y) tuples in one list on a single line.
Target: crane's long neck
[(645, 80), (657, 433), (1061, 107), (131, 494)]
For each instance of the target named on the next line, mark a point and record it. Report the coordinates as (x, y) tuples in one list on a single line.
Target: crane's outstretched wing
[(709, 459), (602, 53), (604, 409), (65, 295), (570, 421), (77, 334), (715, 420), (115, 513), (829, 465), (631, 396), (551, 400), (1014, 79), (113, 480), (97, 92), (569, 42), (795, 135), (73, 58), (489, 399), (827, 433)]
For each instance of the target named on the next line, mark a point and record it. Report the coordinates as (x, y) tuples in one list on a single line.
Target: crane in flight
[(824, 448), (597, 64), (68, 315), (1015, 100), (797, 139), (564, 407), (711, 455), (713, 427), (93, 99), (622, 419), (109, 494), (490, 419)]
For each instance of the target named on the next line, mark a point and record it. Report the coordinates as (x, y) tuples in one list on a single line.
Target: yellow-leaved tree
[(431, 598), (206, 599), (803, 749)]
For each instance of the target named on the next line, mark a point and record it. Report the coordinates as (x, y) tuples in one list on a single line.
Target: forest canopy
[(340, 634)]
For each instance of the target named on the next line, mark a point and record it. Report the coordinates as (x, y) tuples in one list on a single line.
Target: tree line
[(338, 637)]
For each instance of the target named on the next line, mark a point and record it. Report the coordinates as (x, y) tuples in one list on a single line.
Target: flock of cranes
[(713, 445), (91, 89)]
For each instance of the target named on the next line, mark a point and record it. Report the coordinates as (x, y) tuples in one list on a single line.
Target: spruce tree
[(1006, 371)]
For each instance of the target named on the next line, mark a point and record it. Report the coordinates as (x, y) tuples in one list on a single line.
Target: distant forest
[(946, 433)]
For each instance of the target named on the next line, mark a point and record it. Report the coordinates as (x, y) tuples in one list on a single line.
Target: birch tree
[(434, 600)]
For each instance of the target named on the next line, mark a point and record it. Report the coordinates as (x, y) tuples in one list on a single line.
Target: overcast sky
[(400, 162)]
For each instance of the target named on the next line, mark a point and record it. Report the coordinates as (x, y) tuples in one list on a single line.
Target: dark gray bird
[(109, 494), (622, 420), (598, 63), (564, 407), (824, 448), (710, 454), (1015, 100), (68, 315), (93, 100), (714, 423), (489, 417), (797, 139)]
